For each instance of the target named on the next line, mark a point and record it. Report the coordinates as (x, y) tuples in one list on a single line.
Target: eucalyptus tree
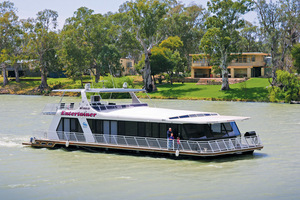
[(296, 57), (270, 21), (9, 37), (43, 42), (124, 35), (188, 24), (146, 17), (222, 35), (105, 33), (250, 38), (290, 30), (76, 51)]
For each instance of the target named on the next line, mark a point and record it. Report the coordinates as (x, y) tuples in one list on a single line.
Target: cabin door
[(110, 130), (113, 131), (67, 129), (106, 131)]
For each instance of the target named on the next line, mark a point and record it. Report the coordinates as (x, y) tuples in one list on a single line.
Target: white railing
[(212, 146), (71, 136), (51, 108)]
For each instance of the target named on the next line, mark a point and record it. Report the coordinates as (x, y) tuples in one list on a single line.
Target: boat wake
[(12, 141)]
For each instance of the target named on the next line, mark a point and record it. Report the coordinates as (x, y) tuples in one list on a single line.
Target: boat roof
[(163, 115), (101, 90)]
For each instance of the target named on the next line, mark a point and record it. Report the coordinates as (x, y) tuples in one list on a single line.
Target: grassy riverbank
[(253, 89)]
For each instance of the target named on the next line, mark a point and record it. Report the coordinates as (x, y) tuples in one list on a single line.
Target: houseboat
[(94, 123)]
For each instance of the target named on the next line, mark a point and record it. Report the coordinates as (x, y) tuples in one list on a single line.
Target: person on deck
[(178, 143), (171, 140), (169, 131)]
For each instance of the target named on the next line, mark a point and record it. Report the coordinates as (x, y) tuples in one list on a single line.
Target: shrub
[(287, 89)]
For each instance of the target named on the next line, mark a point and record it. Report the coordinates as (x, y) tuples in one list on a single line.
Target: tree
[(222, 36), (106, 32), (76, 51), (174, 44), (250, 36), (290, 31), (145, 17), (296, 56), (270, 22), (110, 57), (161, 60), (287, 89), (9, 36), (43, 42), (188, 24), (124, 34)]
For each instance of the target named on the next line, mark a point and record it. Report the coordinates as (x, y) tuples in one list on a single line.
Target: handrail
[(51, 108), (212, 146)]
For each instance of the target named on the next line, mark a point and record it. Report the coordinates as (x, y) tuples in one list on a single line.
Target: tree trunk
[(43, 79), (81, 81), (147, 74), (17, 74), (274, 67), (5, 80), (97, 75), (225, 82)]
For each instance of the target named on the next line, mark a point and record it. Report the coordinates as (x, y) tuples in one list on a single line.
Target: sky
[(66, 8)]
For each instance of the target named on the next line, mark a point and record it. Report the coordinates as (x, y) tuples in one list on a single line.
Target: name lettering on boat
[(78, 114)]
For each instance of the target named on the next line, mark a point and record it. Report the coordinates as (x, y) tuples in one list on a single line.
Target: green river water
[(272, 173)]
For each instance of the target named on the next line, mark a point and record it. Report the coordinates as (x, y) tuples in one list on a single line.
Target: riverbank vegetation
[(159, 36), (254, 89)]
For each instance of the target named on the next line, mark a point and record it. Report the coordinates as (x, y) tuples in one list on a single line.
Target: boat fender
[(177, 153), (67, 143)]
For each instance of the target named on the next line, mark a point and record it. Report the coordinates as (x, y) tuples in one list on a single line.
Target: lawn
[(253, 89)]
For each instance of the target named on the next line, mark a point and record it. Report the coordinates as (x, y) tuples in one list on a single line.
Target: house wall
[(127, 66), (245, 65)]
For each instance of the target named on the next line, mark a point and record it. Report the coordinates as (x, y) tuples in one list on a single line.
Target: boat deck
[(159, 145)]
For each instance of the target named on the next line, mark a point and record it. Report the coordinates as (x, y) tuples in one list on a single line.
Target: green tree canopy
[(296, 57), (222, 36), (9, 37), (145, 18), (43, 42)]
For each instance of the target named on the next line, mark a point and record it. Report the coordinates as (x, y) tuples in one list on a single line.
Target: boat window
[(75, 126), (155, 130), (95, 125), (218, 130), (68, 129), (131, 128), (60, 126), (148, 130), (69, 125), (141, 129), (163, 130), (196, 131), (224, 130), (235, 129), (121, 128), (66, 124)]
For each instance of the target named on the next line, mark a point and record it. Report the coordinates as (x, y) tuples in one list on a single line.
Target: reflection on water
[(272, 173)]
